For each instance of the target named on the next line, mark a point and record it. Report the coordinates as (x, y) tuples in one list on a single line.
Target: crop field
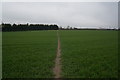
[(0, 54), (29, 54), (84, 54), (89, 54)]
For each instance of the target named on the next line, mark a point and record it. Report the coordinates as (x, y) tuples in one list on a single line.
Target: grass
[(89, 54), (0, 54), (29, 54)]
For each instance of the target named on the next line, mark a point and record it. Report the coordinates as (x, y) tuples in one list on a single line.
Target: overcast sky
[(75, 14)]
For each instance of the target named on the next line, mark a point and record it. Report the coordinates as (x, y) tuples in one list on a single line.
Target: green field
[(84, 54), (29, 54), (89, 54), (0, 54)]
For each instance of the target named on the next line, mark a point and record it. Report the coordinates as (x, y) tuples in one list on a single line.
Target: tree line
[(28, 27)]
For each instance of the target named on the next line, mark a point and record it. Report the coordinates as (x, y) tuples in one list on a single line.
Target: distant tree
[(60, 28), (71, 28), (68, 27), (26, 27)]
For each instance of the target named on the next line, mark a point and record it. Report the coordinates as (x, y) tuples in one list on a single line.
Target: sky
[(60, 0), (74, 14)]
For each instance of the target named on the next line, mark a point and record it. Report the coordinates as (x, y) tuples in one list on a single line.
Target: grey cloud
[(75, 14)]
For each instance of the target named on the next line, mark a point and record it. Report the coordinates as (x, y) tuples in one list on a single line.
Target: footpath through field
[(57, 68)]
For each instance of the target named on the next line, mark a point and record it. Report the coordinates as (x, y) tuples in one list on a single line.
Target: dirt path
[(57, 68)]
